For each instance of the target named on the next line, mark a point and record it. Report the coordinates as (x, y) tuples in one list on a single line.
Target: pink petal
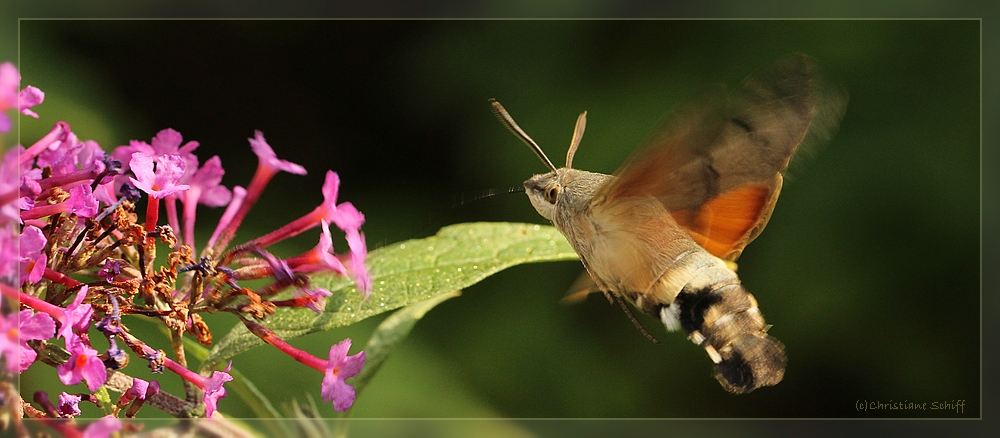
[(36, 326), (167, 141), (269, 158), (82, 200), (338, 352), (103, 428), (341, 394), (29, 97), (32, 241), (37, 269), (216, 197), (347, 217), (141, 165), (26, 356), (352, 365), (95, 373), (69, 404), (170, 167), (214, 390), (330, 186)]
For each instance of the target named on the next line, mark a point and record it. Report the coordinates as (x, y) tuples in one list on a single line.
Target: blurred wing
[(583, 286), (716, 163)]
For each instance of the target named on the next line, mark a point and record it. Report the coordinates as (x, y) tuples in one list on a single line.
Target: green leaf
[(409, 272), (389, 333)]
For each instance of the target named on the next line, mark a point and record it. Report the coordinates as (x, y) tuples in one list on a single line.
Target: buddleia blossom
[(103, 427), (214, 390), (89, 260), (158, 176), (76, 316), (16, 330), (69, 405), (83, 364), (10, 97), (33, 260), (340, 366), (336, 369)]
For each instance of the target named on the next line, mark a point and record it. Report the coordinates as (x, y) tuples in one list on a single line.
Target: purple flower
[(214, 390), (77, 317), (82, 201), (137, 394), (110, 270), (331, 185), (316, 295), (29, 185), (269, 159), (69, 155), (166, 142), (340, 367), (205, 188), (83, 363), (348, 219), (16, 330), (33, 260), (30, 96), (268, 165), (207, 180), (69, 405), (124, 153), (10, 81), (143, 389), (9, 180), (321, 257), (162, 181), (9, 258), (103, 428)]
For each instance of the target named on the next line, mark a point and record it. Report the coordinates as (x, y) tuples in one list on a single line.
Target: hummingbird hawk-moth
[(662, 233)]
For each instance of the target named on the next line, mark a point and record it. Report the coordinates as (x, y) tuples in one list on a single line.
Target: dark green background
[(869, 269)]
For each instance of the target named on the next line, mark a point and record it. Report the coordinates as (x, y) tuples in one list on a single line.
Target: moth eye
[(551, 193)]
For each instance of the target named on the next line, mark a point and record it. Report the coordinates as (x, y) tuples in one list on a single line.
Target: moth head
[(545, 190), (566, 190)]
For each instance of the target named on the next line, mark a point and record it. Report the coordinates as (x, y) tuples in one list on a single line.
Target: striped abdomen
[(717, 313)]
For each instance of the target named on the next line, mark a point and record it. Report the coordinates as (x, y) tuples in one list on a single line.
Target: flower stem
[(60, 278), (36, 303), (299, 355), (152, 214)]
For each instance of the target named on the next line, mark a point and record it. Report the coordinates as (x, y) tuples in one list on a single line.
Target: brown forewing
[(716, 162)]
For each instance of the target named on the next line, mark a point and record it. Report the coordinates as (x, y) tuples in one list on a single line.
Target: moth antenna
[(508, 121), (634, 321), (581, 124)]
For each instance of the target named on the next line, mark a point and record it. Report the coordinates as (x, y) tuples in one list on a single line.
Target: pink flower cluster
[(71, 207), (10, 97)]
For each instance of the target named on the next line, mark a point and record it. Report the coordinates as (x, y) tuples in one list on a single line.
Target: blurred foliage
[(869, 269)]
